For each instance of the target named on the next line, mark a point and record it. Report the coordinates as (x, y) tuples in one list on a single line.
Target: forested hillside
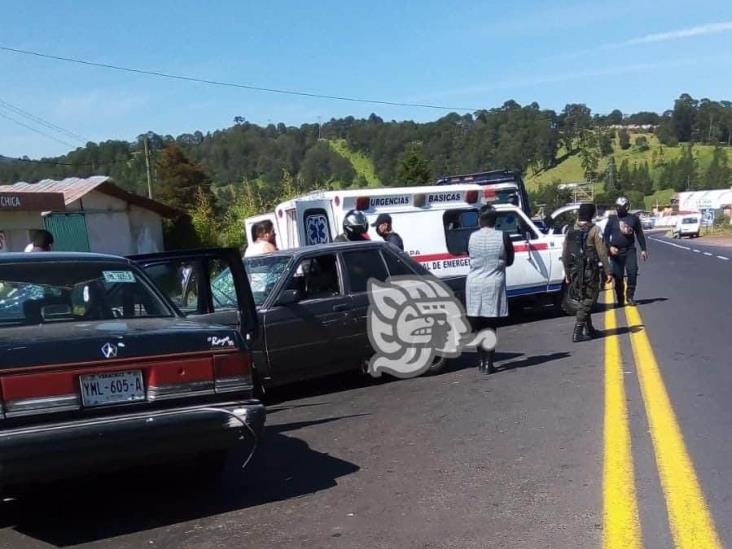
[(248, 166)]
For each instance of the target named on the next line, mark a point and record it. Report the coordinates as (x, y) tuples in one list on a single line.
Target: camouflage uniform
[(584, 285)]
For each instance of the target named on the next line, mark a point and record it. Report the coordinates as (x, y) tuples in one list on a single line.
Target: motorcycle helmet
[(622, 205), (355, 224)]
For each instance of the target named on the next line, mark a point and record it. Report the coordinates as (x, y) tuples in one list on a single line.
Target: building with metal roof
[(83, 214)]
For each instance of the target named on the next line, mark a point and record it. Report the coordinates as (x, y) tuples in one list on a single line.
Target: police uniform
[(583, 250)]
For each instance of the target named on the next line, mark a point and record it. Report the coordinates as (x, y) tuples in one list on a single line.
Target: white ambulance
[(435, 223)]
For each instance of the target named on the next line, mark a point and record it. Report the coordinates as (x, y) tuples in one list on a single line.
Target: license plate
[(112, 388)]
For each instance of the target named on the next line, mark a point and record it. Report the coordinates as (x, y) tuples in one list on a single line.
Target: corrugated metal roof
[(74, 188)]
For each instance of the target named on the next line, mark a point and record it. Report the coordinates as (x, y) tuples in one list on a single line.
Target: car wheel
[(438, 365)]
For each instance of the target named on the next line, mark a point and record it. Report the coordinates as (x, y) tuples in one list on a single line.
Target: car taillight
[(362, 203), (232, 372), (471, 197)]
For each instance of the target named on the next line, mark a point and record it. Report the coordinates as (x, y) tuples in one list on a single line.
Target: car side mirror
[(288, 297)]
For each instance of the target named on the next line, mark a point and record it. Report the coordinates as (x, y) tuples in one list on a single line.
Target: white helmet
[(622, 202)]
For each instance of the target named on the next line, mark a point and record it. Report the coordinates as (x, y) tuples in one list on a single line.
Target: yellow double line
[(689, 518)]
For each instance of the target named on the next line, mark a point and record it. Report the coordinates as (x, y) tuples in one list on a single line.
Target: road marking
[(696, 251), (723, 258), (691, 522), (707, 253), (621, 528), (671, 244)]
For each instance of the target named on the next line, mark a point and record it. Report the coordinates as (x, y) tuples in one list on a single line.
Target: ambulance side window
[(459, 225), (317, 229)]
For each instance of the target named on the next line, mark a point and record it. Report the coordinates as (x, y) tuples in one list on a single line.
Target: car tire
[(438, 365)]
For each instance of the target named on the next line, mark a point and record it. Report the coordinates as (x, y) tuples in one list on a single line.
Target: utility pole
[(147, 166)]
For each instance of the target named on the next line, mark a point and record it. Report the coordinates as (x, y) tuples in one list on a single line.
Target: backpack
[(580, 254)]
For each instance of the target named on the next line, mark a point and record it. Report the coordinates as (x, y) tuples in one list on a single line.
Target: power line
[(31, 128), (234, 84), (37, 119)]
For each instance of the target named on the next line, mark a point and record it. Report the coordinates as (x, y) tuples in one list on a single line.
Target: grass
[(570, 169), (362, 165)]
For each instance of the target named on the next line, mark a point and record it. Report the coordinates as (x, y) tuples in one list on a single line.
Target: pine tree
[(180, 181), (413, 168)]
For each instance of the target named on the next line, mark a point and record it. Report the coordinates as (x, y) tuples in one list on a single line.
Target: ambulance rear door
[(315, 221)]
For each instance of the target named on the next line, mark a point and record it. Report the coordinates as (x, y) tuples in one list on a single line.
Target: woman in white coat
[(491, 251)]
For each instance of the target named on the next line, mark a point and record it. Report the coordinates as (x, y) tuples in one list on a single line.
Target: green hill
[(570, 169), (362, 164)]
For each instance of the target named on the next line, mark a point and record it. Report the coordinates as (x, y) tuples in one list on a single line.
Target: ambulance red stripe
[(517, 248)]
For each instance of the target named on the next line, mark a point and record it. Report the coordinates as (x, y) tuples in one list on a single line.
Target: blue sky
[(632, 55)]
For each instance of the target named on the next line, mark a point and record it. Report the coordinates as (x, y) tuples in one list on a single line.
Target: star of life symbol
[(316, 228), (412, 320), (109, 350)]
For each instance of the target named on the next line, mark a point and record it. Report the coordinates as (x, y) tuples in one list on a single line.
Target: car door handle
[(341, 307)]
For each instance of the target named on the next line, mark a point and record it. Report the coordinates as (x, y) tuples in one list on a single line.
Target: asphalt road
[(541, 454)]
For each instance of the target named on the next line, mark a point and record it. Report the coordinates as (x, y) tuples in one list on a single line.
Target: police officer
[(355, 227), (583, 251), (386, 231), (620, 234)]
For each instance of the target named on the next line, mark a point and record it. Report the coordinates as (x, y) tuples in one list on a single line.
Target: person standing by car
[(385, 231), (42, 241), (490, 251), (355, 227), (620, 235), (265, 239), (583, 250)]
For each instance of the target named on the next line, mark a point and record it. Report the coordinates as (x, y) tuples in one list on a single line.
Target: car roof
[(49, 257), (329, 247)]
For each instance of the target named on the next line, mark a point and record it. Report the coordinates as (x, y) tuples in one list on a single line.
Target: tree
[(642, 143), (666, 133), (624, 176), (204, 221), (686, 171), (612, 183), (575, 118), (684, 118), (412, 168), (589, 155), (718, 174), (615, 118), (180, 182), (605, 142), (624, 139)]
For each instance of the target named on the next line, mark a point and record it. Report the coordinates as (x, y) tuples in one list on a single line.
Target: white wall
[(109, 232), (16, 227), (146, 229)]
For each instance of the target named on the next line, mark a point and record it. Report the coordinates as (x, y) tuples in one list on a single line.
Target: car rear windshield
[(264, 272), (689, 220), (45, 292)]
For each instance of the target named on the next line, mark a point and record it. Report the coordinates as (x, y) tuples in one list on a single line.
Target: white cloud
[(700, 30)]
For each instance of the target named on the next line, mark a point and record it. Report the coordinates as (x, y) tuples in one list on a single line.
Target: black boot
[(482, 357), (489, 367), (631, 296), (579, 333), (590, 329)]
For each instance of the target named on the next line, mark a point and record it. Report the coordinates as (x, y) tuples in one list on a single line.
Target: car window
[(263, 273), (223, 291), (459, 225), (515, 225), (396, 265), (362, 266), (180, 280), (316, 278), (38, 293)]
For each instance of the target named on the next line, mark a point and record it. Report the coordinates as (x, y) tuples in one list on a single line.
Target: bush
[(642, 143)]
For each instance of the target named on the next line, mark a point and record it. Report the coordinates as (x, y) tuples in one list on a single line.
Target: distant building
[(91, 214)]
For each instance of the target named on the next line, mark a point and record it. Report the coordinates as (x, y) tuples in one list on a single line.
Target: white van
[(435, 223), (687, 225)]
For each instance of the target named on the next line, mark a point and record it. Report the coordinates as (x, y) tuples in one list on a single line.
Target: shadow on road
[(104, 507), (651, 300), (532, 361)]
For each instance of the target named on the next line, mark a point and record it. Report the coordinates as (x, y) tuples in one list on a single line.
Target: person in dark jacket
[(491, 251), (583, 250), (384, 230), (620, 235)]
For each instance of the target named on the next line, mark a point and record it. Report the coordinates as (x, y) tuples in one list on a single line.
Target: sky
[(628, 54)]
